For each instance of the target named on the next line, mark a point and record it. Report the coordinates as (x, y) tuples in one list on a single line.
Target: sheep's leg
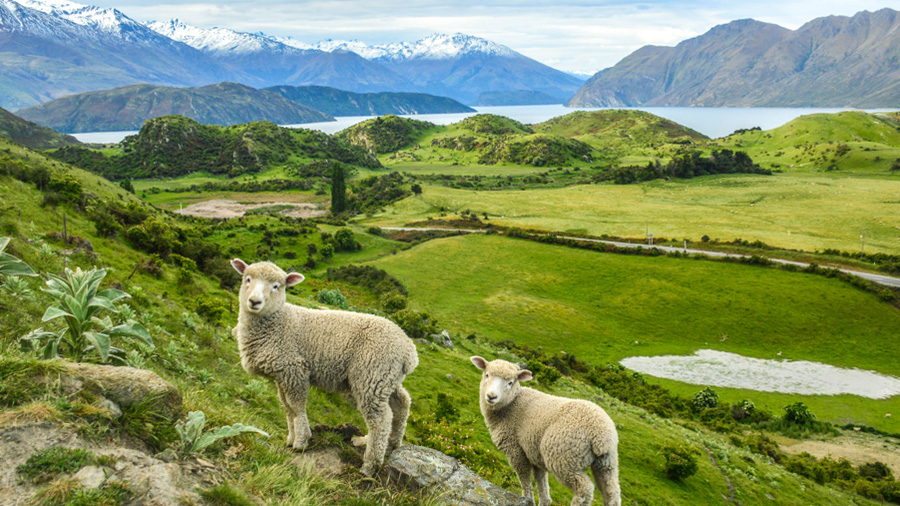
[(296, 391), (522, 467), (399, 403), (582, 487), (606, 473), (543, 486), (378, 420), (290, 414)]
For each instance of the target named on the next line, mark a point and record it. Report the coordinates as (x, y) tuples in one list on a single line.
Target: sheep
[(539, 432), (341, 351)]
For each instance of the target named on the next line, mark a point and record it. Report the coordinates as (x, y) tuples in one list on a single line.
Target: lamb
[(539, 432), (296, 347)]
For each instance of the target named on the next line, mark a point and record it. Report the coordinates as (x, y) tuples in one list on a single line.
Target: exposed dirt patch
[(858, 448), (221, 208)]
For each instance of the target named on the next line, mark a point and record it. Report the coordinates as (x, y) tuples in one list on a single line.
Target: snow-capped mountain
[(51, 49), (277, 63), (434, 47)]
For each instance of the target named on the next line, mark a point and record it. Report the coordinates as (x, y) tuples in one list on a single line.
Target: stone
[(124, 386), (114, 410), (420, 467), (90, 477), (324, 461)]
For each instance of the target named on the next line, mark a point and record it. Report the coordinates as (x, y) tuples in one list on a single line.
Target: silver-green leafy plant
[(78, 303), (194, 440), (10, 265)]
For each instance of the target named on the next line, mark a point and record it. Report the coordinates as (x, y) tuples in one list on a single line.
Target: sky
[(582, 36)]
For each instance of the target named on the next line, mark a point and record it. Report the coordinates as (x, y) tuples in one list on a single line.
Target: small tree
[(706, 398), (681, 462), (78, 303), (798, 413), (338, 190), (416, 188)]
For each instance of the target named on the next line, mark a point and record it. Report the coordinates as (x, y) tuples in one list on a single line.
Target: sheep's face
[(263, 286), (499, 381)]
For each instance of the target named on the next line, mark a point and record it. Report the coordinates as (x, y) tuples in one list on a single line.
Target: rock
[(125, 386), (442, 339), (90, 477), (420, 467), (324, 461), (450, 377), (114, 410)]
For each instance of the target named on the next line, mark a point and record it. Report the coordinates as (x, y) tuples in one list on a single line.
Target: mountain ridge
[(835, 61)]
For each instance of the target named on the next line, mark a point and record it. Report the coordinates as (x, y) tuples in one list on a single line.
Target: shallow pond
[(723, 369)]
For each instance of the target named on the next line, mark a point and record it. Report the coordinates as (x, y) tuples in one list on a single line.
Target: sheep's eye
[(486, 375), (275, 287), (247, 280), (509, 384)]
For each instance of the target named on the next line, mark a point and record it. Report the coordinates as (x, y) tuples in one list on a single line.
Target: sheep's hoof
[(367, 469), (359, 441), (299, 446)]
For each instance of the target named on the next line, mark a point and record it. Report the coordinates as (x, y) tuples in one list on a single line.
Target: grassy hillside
[(31, 134), (195, 351), (631, 135), (345, 103), (850, 142)]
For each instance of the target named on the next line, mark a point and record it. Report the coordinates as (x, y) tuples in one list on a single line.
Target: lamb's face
[(263, 286), (500, 381)]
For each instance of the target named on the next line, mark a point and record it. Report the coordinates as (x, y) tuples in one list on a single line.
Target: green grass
[(44, 465), (794, 211), (605, 307)]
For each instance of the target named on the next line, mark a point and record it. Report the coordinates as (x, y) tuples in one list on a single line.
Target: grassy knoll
[(791, 211), (849, 142), (604, 307)]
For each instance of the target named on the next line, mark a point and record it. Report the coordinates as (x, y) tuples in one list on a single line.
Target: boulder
[(420, 467), (124, 386)]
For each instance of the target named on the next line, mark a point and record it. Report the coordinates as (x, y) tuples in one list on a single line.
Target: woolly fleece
[(539, 432), (296, 347)]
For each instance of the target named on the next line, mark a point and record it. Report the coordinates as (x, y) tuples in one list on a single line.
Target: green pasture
[(605, 307), (794, 211)]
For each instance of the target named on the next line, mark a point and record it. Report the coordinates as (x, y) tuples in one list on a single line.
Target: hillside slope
[(127, 108), (834, 61), (30, 134)]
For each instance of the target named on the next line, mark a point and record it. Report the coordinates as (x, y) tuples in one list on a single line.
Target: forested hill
[(345, 103), (30, 134), (128, 107), (173, 146)]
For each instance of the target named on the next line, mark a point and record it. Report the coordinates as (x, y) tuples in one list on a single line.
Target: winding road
[(877, 278)]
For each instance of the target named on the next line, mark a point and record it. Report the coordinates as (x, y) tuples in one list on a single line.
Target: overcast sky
[(572, 35)]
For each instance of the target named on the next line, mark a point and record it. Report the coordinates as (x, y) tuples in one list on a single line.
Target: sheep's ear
[(293, 278), (525, 375), (239, 265), (479, 362)]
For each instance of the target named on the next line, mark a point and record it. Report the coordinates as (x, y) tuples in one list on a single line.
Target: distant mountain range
[(834, 61), (52, 48), (128, 107)]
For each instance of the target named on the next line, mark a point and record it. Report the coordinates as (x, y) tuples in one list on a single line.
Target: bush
[(681, 461), (414, 323), (333, 298), (446, 408), (706, 398), (392, 302), (344, 240), (798, 413), (327, 251)]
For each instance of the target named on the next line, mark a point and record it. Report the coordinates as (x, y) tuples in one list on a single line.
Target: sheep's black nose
[(491, 397)]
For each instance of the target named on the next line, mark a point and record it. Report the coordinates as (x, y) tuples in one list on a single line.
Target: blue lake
[(712, 121)]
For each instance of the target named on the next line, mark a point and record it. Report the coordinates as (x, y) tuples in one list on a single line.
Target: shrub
[(78, 303), (392, 302), (798, 413), (416, 324), (333, 298), (327, 251), (446, 408), (344, 240), (681, 461), (706, 398)]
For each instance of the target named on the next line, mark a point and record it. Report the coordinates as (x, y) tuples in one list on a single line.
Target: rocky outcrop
[(420, 467), (124, 386)]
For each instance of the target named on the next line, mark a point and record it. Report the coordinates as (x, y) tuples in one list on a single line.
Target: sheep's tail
[(412, 361)]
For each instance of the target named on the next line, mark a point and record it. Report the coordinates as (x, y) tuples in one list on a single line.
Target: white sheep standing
[(540, 432), (296, 347)]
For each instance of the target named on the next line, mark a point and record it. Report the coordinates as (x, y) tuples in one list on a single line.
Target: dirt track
[(220, 208)]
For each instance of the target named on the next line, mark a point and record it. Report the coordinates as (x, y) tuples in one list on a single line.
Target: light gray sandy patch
[(723, 369), (220, 208)]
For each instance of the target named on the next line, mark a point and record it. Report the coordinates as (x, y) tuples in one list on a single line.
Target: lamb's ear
[(525, 375), (479, 362), (293, 278), (239, 265)]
